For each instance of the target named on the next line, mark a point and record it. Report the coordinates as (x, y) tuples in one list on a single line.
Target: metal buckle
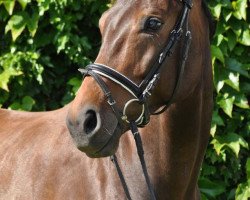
[(111, 102), (140, 118), (151, 85), (188, 34)]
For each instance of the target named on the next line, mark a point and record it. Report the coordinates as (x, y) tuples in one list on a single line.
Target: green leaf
[(218, 80), (220, 28), (76, 83), (15, 106), (243, 192), (217, 119), (62, 40), (27, 103), (245, 39), (217, 11), (220, 38), (217, 53), (236, 27), (232, 40), (245, 87), (227, 14), (226, 103), (233, 81), (210, 189), (9, 6), (239, 50), (32, 23), (24, 3), (203, 197), (248, 168), (43, 6), (213, 129), (231, 140), (240, 7), (241, 101), (236, 66), (217, 145), (16, 24), (5, 77)]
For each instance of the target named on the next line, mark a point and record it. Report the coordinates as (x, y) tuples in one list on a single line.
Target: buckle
[(111, 102), (151, 85), (139, 119)]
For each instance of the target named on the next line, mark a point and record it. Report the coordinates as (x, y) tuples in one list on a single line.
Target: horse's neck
[(183, 140), (173, 142)]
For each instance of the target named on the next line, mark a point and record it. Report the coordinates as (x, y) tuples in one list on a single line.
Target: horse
[(64, 154)]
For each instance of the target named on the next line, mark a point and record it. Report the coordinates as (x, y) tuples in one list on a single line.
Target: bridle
[(143, 91)]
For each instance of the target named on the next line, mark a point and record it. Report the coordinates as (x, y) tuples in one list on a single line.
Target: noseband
[(143, 91)]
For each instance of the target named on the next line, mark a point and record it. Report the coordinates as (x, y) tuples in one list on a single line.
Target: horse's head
[(139, 69)]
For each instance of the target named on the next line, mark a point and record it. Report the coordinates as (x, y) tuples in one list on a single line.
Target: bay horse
[(38, 154)]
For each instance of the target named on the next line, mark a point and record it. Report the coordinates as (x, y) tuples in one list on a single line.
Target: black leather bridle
[(143, 91)]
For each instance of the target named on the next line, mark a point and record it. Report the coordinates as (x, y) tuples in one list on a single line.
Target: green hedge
[(43, 42), (226, 170)]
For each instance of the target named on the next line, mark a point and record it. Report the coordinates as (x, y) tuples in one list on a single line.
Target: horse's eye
[(152, 24)]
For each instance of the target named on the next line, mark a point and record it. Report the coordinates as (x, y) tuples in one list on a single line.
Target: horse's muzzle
[(94, 134)]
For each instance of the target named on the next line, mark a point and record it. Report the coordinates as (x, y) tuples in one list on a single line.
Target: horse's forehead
[(131, 9)]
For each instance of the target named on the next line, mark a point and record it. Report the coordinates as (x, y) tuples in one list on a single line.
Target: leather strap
[(143, 91), (119, 172)]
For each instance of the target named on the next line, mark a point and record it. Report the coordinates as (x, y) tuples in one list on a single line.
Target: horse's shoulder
[(36, 149), (26, 129)]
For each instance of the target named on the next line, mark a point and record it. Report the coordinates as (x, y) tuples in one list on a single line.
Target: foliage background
[(43, 42)]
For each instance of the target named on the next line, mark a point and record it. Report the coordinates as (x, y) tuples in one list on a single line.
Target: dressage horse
[(154, 59)]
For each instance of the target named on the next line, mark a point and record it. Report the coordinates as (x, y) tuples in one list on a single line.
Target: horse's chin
[(107, 148), (103, 153)]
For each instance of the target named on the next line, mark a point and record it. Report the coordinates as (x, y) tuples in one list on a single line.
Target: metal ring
[(139, 119)]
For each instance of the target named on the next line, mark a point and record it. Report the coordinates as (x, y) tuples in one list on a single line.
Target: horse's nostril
[(90, 122)]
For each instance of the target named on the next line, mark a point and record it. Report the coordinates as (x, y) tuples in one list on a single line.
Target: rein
[(143, 91)]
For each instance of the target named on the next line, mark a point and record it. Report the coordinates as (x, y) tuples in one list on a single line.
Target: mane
[(211, 20)]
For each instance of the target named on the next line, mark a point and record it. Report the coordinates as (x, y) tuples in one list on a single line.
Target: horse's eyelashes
[(152, 24)]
